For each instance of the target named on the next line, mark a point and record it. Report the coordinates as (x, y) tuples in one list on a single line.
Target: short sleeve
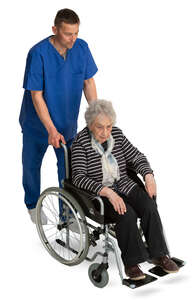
[(91, 67), (33, 78)]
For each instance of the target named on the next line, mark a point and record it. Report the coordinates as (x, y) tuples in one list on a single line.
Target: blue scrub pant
[(34, 148)]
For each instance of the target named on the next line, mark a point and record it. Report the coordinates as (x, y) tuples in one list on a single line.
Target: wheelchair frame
[(84, 206)]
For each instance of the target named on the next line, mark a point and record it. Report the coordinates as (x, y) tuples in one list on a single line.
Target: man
[(57, 70)]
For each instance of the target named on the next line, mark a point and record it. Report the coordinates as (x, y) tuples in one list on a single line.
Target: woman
[(100, 154)]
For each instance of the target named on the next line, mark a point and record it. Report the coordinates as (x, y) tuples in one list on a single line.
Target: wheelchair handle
[(66, 160)]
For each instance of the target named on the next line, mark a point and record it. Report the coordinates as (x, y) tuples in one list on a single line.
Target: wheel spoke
[(53, 205), (47, 208)]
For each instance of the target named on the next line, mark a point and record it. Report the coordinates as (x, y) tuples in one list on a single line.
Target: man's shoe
[(134, 273), (166, 263), (32, 213)]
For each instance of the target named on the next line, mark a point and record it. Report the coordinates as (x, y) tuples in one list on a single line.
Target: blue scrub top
[(62, 83)]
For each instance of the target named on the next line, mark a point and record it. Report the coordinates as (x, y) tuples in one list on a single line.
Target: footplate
[(133, 284), (160, 272)]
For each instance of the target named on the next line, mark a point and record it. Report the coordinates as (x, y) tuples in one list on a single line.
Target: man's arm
[(89, 89), (41, 108)]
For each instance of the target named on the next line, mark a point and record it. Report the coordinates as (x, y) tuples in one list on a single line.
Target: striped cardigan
[(87, 167)]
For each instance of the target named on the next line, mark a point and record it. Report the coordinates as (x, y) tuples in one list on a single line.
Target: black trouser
[(139, 205)]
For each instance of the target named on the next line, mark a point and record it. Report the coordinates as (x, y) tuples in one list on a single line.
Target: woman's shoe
[(166, 263), (134, 272)]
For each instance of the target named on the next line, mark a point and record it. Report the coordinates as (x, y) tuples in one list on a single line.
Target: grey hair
[(97, 107)]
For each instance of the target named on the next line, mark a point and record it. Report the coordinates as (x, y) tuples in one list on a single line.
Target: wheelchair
[(76, 222)]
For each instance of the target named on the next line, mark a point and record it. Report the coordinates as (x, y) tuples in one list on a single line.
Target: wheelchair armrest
[(87, 201), (133, 175)]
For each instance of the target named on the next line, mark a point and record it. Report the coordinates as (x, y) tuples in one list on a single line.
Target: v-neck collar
[(55, 50)]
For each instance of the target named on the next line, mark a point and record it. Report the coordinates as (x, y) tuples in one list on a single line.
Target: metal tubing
[(117, 257), (101, 204), (66, 160)]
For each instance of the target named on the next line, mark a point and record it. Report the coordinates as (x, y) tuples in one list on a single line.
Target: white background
[(146, 55)]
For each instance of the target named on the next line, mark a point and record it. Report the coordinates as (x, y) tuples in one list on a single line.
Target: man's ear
[(54, 30)]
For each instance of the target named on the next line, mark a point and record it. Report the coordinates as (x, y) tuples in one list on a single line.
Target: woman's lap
[(140, 201), (137, 202)]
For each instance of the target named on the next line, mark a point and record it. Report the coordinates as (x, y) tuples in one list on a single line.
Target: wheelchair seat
[(87, 200)]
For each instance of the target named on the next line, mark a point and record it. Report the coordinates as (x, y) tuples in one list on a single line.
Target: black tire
[(103, 279)]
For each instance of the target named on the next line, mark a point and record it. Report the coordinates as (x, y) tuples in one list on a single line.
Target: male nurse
[(58, 69)]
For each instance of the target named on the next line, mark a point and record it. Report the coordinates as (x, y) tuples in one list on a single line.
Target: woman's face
[(101, 128)]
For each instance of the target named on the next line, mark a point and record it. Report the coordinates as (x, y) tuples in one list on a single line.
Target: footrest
[(133, 284), (180, 263), (160, 272)]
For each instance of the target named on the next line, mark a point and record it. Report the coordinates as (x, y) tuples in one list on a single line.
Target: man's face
[(66, 34)]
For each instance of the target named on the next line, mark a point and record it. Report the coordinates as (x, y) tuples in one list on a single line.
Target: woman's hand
[(115, 200), (118, 203), (150, 185)]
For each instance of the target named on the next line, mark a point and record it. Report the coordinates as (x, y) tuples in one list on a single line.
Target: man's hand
[(54, 138), (115, 200), (150, 185)]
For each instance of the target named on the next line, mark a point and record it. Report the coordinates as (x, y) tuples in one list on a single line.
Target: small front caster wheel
[(103, 278)]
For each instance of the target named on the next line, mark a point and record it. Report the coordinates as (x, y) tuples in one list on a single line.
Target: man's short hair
[(66, 15)]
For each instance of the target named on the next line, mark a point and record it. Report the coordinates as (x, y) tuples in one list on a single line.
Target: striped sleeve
[(136, 158), (79, 170)]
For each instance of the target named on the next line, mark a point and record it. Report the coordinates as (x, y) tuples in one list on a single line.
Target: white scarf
[(110, 167)]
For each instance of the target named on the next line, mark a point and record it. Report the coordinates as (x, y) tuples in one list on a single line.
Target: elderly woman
[(100, 154)]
